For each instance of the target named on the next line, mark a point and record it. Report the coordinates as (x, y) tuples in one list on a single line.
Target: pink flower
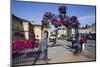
[(73, 18), (19, 45)]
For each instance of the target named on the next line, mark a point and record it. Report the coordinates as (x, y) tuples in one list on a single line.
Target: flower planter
[(20, 45)]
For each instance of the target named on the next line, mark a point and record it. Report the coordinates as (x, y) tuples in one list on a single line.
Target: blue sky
[(33, 11)]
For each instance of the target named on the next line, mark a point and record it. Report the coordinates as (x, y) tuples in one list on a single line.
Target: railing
[(25, 51)]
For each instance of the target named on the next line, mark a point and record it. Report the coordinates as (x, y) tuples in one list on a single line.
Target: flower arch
[(61, 19)]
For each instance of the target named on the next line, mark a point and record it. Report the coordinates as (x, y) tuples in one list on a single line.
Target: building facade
[(62, 33), (21, 29), (38, 31)]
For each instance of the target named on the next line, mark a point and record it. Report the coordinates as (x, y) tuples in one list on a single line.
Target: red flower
[(58, 22), (49, 15), (63, 21), (67, 23), (73, 18), (20, 45)]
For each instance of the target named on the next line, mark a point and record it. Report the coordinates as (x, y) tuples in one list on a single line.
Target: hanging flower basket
[(45, 22), (74, 18), (53, 20), (62, 9), (63, 21), (57, 23), (48, 15), (67, 23)]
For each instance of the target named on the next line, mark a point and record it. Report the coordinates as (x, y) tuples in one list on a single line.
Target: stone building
[(93, 28), (88, 29), (21, 29), (62, 32), (37, 30)]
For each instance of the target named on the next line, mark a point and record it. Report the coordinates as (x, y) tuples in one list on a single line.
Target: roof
[(37, 25), (21, 19)]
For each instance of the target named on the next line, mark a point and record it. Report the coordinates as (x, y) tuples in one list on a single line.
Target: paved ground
[(89, 51), (62, 53)]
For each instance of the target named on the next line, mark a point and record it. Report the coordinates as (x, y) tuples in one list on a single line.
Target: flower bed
[(20, 45)]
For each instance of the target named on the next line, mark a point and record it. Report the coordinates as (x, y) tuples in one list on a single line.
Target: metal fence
[(20, 57)]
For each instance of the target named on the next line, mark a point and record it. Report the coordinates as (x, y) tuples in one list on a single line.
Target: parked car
[(91, 36), (52, 38), (69, 39)]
